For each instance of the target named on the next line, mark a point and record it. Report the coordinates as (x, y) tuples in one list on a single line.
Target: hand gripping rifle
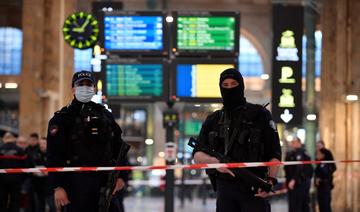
[(241, 173), (106, 192)]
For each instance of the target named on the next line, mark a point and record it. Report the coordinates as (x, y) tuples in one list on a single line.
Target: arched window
[(82, 59), (10, 51), (250, 62), (318, 38)]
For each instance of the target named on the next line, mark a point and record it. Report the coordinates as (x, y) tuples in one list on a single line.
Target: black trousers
[(324, 197), (299, 199), (83, 191), (233, 197), (10, 196)]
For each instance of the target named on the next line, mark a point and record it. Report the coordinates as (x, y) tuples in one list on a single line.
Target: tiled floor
[(156, 204)]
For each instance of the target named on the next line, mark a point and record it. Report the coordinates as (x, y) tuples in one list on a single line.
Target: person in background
[(298, 178), (321, 145), (8, 137), (39, 186), (324, 179), (33, 152), (22, 142), (11, 156)]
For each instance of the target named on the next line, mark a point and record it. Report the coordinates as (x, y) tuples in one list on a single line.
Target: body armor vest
[(244, 141), (89, 136)]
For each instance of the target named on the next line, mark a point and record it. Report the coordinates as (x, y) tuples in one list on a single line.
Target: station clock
[(81, 30)]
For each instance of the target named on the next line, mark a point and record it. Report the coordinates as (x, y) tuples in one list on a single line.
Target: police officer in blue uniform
[(244, 132), (298, 178), (82, 134)]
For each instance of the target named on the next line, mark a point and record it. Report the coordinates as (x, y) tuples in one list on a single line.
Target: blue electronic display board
[(134, 33)]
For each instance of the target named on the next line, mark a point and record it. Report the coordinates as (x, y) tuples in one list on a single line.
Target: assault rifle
[(241, 173), (106, 192)]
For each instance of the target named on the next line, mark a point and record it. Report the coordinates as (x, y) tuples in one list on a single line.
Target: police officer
[(298, 178), (11, 156), (244, 132), (82, 134), (324, 179)]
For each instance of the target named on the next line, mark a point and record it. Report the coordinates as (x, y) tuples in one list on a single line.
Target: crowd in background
[(25, 192)]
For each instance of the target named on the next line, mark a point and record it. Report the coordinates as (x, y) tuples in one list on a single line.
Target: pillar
[(339, 119), (47, 64)]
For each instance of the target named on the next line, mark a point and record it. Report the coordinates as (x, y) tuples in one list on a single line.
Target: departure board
[(134, 80), (133, 33), (199, 80), (206, 33)]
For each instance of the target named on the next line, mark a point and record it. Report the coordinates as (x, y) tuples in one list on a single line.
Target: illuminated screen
[(133, 32), (205, 33), (199, 80), (134, 80), (192, 127)]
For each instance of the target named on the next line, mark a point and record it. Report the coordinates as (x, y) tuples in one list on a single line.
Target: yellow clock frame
[(81, 30)]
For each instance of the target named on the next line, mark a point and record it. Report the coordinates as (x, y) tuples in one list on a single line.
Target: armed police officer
[(82, 134), (243, 132)]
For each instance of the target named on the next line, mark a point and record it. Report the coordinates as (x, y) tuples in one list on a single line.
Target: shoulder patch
[(53, 129), (273, 125)]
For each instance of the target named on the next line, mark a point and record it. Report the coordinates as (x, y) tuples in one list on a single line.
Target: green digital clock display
[(81, 30)]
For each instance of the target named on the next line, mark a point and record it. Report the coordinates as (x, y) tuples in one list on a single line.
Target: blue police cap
[(83, 75)]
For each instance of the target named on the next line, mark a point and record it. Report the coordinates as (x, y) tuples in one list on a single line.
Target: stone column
[(339, 119), (47, 63)]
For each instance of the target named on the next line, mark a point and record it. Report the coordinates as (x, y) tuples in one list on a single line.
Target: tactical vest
[(89, 136), (243, 128)]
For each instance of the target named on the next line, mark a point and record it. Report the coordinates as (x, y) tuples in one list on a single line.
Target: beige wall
[(339, 120), (47, 63)]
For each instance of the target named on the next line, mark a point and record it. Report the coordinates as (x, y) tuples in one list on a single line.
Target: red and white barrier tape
[(190, 166)]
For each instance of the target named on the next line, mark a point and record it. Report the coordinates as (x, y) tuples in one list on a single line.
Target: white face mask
[(84, 93)]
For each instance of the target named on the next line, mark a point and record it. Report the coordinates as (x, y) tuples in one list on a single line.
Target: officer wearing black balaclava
[(233, 90), (243, 132), (82, 134)]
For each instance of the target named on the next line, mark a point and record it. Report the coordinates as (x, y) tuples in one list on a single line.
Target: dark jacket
[(255, 137), (12, 156), (300, 173), (81, 135)]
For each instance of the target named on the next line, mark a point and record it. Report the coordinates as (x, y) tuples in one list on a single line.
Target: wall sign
[(287, 54)]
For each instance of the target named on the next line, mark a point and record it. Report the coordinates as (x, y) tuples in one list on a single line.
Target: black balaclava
[(232, 97)]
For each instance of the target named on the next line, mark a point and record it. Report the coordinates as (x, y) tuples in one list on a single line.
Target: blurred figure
[(324, 179), (298, 178), (11, 156), (40, 193), (8, 137), (33, 152), (321, 145), (22, 142)]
